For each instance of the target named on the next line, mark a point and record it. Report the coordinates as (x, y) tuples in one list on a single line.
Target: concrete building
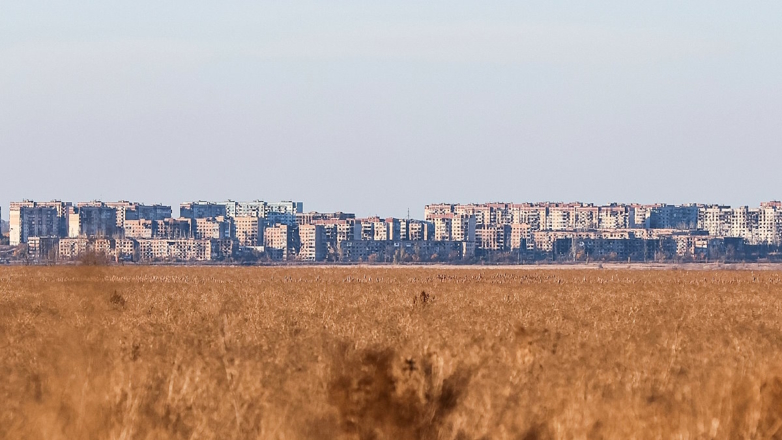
[(443, 224), (43, 248), (336, 231), (387, 251), (520, 235), (255, 208), (137, 211), (432, 211), (420, 230), (308, 218), (248, 231), (218, 228), (770, 223), (463, 228), (528, 214), (70, 248), (279, 242), (140, 228), (614, 216), (175, 228), (674, 217), (92, 219), (283, 212), (313, 244), (126, 249), (180, 250), (33, 221), (716, 220), (201, 209), (388, 229), (37, 219), (493, 238)]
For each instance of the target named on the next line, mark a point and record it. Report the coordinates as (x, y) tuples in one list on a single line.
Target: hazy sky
[(376, 106)]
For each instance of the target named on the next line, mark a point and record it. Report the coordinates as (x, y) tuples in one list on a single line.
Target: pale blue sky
[(374, 107)]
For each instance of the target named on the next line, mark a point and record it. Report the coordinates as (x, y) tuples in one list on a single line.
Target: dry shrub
[(381, 396)]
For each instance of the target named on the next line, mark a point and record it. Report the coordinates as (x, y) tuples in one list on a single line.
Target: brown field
[(373, 353)]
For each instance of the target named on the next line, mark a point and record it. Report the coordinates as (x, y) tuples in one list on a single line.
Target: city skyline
[(260, 231), (414, 212), (396, 103)]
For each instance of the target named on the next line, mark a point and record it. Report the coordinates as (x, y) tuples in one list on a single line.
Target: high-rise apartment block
[(248, 230), (279, 242), (37, 219), (92, 219), (312, 243), (201, 209), (137, 211)]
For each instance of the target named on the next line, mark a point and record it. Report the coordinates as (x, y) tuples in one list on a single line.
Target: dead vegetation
[(274, 353)]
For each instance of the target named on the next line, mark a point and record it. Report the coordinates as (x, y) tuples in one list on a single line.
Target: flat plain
[(112, 352)]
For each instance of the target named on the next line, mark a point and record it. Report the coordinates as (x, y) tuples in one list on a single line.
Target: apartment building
[(70, 248), (283, 212), (406, 250), (442, 226), (140, 228), (170, 229), (520, 235), (528, 214), (348, 230), (218, 228), (201, 209), (716, 220), (432, 211), (313, 243), (126, 249), (683, 217), (744, 224), (255, 208), (614, 216), (493, 238), (368, 228), (388, 229), (419, 230), (463, 228), (92, 219), (37, 219), (180, 250), (43, 248), (175, 228), (248, 231), (308, 218), (136, 211), (279, 243), (769, 224), (32, 221)]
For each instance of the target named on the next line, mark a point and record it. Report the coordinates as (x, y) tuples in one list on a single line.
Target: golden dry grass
[(374, 353)]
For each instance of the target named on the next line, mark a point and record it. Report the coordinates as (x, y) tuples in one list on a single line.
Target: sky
[(380, 107)]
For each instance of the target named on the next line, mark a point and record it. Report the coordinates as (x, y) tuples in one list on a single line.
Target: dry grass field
[(389, 353)]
